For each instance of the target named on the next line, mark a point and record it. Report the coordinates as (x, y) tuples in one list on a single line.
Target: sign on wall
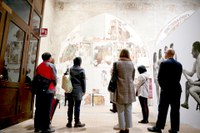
[(43, 32)]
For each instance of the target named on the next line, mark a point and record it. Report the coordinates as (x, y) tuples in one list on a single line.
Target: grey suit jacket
[(125, 92)]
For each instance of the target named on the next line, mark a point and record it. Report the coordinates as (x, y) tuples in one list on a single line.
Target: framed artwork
[(14, 51)]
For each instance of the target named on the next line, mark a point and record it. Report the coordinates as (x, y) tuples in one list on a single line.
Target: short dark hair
[(142, 69), (196, 46), (46, 56), (77, 61)]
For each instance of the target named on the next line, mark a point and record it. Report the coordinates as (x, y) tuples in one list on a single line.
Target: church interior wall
[(183, 38), (144, 20)]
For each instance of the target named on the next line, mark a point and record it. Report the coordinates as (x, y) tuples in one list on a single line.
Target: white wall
[(183, 38), (47, 44)]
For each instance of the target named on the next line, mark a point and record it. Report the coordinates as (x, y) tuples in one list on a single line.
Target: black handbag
[(112, 86), (40, 84)]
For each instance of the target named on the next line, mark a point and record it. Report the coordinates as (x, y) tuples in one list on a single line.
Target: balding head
[(169, 53)]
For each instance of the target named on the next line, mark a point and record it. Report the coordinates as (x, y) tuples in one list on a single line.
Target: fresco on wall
[(158, 56), (154, 21), (99, 42), (192, 87), (185, 41), (155, 75), (182, 40)]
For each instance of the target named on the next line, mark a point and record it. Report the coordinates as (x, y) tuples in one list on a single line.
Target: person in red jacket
[(44, 96)]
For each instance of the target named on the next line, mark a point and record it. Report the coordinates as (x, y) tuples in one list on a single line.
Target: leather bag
[(40, 84), (112, 86)]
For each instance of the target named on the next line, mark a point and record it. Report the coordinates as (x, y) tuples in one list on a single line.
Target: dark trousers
[(145, 108), (42, 112), (166, 99), (73, 105), (66, 97)]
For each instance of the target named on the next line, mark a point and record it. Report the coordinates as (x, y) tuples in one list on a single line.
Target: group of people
[(169, 76), (47, 70)]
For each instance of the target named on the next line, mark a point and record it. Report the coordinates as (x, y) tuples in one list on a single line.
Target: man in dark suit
[(169, 76)]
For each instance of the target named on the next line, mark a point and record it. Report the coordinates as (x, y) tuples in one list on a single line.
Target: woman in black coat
[(75, 97)]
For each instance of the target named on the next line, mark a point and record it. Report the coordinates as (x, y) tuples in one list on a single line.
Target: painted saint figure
[(155, 75)]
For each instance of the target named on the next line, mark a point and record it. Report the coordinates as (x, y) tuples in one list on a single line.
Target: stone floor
[(98, 119)]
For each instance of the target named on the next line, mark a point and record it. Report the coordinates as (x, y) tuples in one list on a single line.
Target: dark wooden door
[(18, 47)]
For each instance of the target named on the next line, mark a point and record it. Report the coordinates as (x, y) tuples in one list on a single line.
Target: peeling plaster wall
[(147, 18)]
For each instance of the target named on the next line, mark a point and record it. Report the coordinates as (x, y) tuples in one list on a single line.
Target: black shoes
[(143, 121), (79, 124), (69, 125), (154, 129), (124, 131)]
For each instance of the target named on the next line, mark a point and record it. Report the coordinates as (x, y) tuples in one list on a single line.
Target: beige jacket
[(125, 92)]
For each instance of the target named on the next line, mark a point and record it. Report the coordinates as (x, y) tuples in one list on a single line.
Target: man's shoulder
[(45, 66), (172, 61), (40, 65), (177, 62)]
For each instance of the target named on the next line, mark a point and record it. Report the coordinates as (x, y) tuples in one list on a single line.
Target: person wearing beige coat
[(124, 95)]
